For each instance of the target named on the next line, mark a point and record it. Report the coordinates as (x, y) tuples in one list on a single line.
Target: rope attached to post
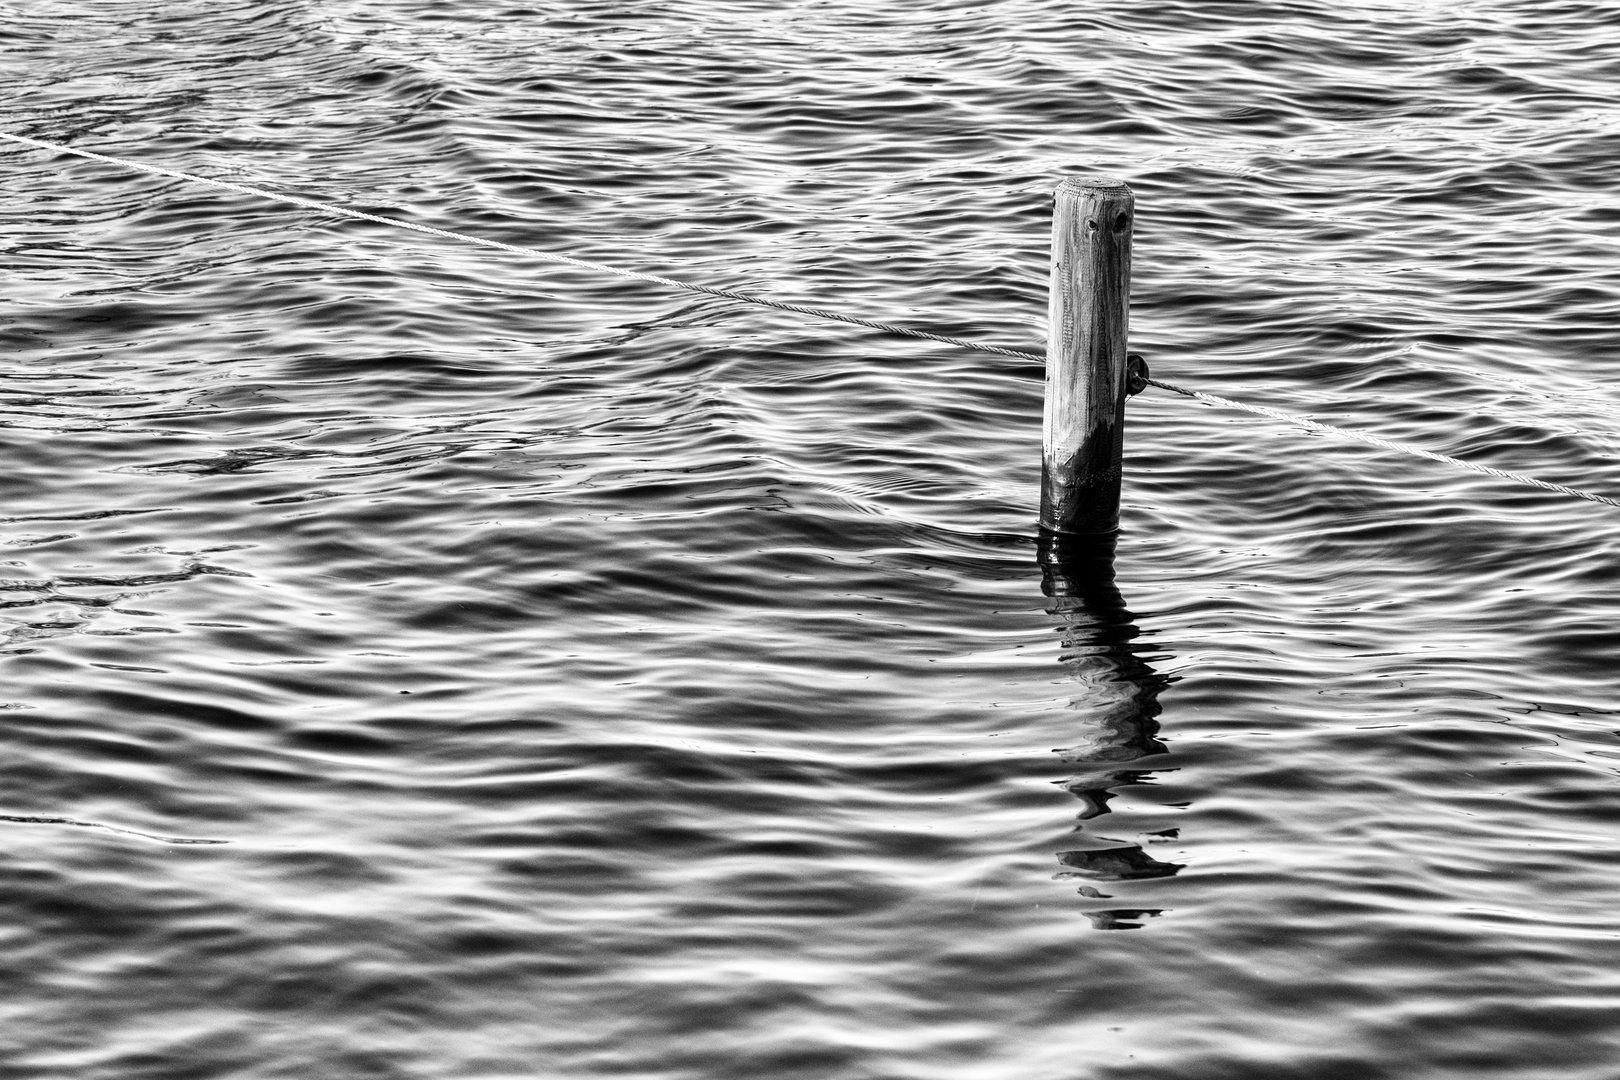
[(533, 253), (1402, 448), (815, 312)]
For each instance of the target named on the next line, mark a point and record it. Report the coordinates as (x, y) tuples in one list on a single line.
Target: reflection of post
[(1120, 700)]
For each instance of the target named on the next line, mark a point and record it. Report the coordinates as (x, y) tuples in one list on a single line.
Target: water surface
[(423, 662)]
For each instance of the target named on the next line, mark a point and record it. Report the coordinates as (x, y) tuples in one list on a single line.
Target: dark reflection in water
[(1120, 703)]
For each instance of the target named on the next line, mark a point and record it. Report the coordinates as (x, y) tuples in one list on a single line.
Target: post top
[(1081, 185)]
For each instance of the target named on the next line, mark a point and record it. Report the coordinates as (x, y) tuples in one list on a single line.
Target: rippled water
[(421, 662)]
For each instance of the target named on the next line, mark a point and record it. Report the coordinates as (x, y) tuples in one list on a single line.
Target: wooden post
[(1085, 356)]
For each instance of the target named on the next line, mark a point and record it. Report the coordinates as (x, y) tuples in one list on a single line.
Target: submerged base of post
[(1085, 356)]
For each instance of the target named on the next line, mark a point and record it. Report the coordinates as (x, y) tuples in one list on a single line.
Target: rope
[(819, 313), (534, 253), (1328, 429)]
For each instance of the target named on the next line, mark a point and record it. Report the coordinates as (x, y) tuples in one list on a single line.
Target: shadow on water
[(1119, 696)]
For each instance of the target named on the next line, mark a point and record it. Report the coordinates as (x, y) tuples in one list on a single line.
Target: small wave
[(18, 820)]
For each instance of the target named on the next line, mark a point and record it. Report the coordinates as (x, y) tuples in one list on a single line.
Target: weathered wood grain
[(1092, 220)]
